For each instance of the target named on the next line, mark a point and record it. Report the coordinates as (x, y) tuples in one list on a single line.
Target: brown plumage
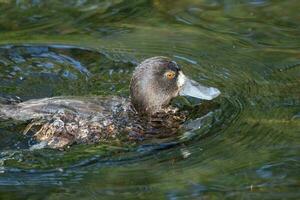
[(59, 122)]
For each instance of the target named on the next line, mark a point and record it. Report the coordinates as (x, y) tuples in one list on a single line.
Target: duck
[(59, 122)]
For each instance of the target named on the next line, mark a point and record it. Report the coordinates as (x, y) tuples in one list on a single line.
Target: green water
[(246, 148)]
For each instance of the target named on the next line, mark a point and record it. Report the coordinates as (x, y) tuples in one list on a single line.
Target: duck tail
[(5, 102), (2, 113)]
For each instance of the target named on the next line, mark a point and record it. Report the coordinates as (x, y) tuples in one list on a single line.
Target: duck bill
[(193, 89)]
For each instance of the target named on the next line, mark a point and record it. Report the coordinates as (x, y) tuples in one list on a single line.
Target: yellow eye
[(170, 75)]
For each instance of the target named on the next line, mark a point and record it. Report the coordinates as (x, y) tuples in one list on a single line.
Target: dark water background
[(247, 148)]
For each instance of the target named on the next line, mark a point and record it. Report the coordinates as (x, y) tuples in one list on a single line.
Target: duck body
[(59, 122)]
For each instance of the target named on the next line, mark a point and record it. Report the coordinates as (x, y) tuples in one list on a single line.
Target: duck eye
[(170, 75)]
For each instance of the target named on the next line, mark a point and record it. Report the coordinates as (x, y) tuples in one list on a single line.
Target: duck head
[(157, 80)]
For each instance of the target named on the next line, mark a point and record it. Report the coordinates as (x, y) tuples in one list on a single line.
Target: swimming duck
[(59, 122)]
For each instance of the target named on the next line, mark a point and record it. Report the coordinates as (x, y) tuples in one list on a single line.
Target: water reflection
[(247, 148)]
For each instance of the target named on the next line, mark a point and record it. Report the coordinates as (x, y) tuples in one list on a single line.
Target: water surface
[(245, 148)]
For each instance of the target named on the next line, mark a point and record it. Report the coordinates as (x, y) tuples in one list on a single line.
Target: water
[(246, 147)]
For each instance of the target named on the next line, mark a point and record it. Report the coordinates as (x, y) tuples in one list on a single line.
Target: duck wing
[(41, 108)]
